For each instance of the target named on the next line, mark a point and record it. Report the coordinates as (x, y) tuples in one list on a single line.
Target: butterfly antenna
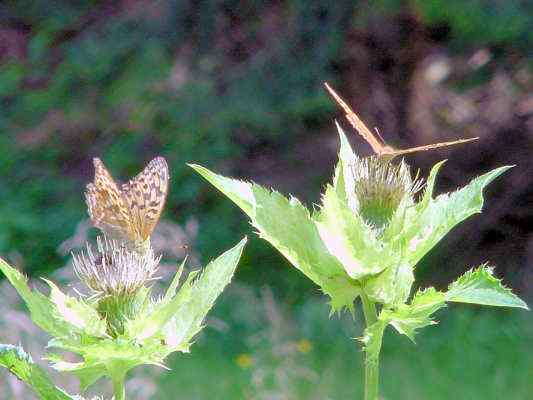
[(379, 134)]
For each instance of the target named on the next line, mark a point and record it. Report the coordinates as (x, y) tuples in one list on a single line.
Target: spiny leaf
[(188, 316), (408, 318), (348, 238), (480, 286), (238, 191), (107, 357), (22, 366), (43, 311), (171, 291), (426, 226), (77, 313), (343, 181), (287, 225), (392, 286)]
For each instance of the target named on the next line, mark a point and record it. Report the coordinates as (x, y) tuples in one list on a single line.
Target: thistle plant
[(118, 324), (363, 242)]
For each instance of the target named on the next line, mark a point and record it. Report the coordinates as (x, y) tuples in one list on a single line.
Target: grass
[(473, 353)]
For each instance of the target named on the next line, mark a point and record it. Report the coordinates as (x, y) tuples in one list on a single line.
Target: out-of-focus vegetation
[(237, 86)]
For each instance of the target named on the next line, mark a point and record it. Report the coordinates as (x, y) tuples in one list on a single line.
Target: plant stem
[(369, 309), (371, 353), (118, 387)]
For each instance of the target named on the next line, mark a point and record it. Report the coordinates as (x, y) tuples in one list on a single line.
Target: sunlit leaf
[(288, 226), (408, 318), (19, 363), (428, 224), (480, 286), (201, 294), (43, 311), (348, 238)]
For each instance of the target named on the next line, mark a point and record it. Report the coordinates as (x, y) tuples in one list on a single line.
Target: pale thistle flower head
[(380, 186), (113, 269), (116, 274)]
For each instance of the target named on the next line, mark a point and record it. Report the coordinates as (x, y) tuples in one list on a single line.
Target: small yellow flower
[(244, 360), (304, 346)]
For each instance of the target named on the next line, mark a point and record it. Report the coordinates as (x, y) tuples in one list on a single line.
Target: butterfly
[(379, 146), (128, 212)]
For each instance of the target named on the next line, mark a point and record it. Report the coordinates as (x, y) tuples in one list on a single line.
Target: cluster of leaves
[(160, 328), (348, 257)]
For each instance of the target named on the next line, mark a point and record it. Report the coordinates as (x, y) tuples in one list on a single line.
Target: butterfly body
[(378, 145), (128, 212)]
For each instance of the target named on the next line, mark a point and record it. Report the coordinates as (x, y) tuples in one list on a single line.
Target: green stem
[(369, 309), (371, 357), (118, 387)]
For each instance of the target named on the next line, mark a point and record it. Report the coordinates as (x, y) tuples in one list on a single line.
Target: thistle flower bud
[(380, 187), (116, 274)]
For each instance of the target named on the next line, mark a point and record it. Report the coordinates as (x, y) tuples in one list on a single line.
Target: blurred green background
[(237, 86)]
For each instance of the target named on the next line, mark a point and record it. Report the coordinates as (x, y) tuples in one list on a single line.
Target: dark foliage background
[(237, 86)]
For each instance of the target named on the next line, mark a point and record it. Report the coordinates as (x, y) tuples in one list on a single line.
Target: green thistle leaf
[(428, 222), (189, 315), (22, 366), (393, 285), (288, 226), (76, 312), (407, 319), (477, 286), (239, 192), (348, 238), (343, 180), (480, 286), (167, 326), (107, 357), (44, 312)]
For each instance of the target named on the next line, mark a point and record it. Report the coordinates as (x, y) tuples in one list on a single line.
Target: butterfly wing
[(358, 124), (145, 196), (429, 147), (107, 209)]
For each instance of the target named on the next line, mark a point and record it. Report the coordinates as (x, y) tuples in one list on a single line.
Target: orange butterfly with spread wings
[(378, 145), (128, 212)]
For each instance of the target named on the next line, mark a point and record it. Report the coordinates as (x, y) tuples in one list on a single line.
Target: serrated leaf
[(87, 373), (19, 363), (343, 181), (171, 291), (393, 285), (287, 225), (476, 286), (239, 192), (188, 317), (348, 238), (77, 313), (408, 318), (430, 185), (152, 323), (107, 357), (43, 311), (427, 225), (480, 286)]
